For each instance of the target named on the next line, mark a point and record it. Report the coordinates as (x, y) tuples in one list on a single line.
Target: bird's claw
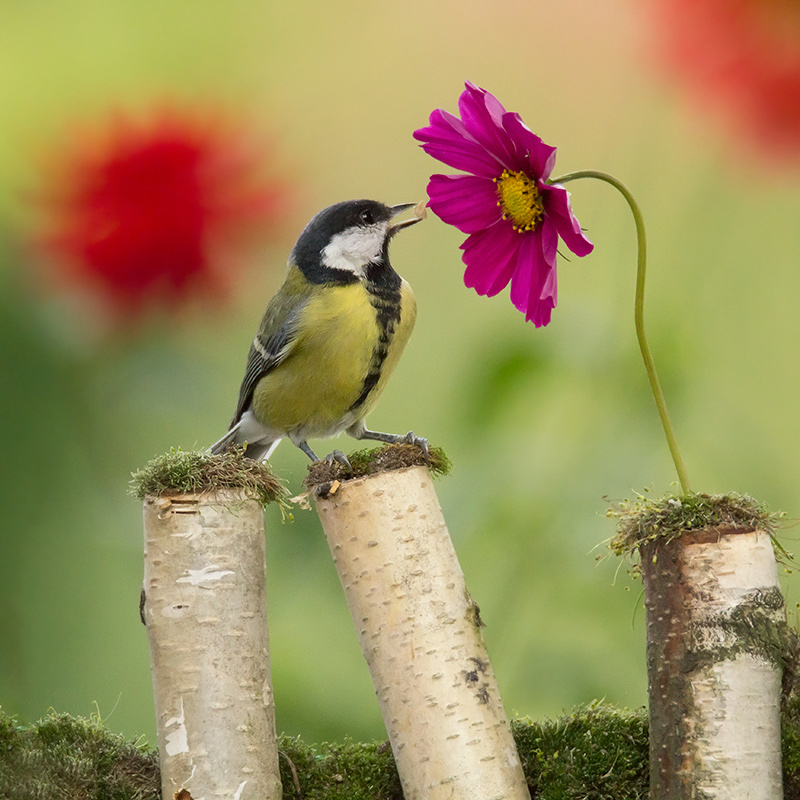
[(417, 441), (338, 456)]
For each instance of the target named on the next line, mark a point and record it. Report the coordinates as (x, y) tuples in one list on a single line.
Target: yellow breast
[(322, 377)]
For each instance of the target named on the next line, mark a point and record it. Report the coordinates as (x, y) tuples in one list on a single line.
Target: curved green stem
[(649, 366)]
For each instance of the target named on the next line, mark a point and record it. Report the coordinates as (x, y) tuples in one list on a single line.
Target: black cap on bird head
[(346, 237)]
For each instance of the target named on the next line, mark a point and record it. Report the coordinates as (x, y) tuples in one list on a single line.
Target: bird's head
[(341, 241)]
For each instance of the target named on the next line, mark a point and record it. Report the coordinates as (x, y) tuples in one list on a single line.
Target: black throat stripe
[(385, 298)]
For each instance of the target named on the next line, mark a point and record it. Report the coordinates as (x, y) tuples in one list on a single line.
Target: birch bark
[(715, 636), (205, 612), (419, 631)]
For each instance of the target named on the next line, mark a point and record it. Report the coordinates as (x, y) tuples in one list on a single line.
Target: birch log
[(715, 635), (420, 633), (205, 612)]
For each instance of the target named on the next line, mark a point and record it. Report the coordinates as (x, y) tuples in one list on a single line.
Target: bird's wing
[(267, 351)]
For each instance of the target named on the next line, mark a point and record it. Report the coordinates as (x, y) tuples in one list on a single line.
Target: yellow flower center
[(519, 198)]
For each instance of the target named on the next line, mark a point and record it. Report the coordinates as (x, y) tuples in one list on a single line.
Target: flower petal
[(547, 295), (484, 141), (466, 201), (528, 264), (490, 256), (482, 114), (555, 200), (448, 140), (535, 157), (533, 285)]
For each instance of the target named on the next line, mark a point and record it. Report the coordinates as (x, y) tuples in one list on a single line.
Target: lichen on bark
[(717, 643)]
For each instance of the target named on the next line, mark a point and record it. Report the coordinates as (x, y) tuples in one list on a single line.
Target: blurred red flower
[(742, 57), (151, 212)]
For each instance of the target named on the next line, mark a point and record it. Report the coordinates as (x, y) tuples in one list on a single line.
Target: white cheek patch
[(354, 248)]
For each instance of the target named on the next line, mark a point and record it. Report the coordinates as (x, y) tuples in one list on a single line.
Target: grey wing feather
[(263, 357)]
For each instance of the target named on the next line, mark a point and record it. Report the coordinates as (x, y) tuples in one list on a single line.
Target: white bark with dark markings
[(715, 628), (205, 611), (420, 633)]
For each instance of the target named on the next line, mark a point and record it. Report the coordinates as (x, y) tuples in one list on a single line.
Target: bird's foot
[(340, 457), (417, 441)]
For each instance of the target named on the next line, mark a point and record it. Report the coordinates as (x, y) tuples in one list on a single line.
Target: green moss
[(597, 752), (349, 771), (381, 459), (645, 519), (66, 758), (195, 472), (790, 744)]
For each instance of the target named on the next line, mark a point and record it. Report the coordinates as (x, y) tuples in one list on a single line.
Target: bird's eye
[(367, 217)]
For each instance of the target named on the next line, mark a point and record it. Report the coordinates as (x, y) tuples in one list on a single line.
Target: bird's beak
[(420, 213)]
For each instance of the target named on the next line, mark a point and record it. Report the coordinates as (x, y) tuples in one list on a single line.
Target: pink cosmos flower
[(513, 216)]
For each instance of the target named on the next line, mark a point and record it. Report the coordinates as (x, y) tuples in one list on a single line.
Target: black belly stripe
[(386, 302)]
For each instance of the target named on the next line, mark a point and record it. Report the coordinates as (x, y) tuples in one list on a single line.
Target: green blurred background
[(543, 426)]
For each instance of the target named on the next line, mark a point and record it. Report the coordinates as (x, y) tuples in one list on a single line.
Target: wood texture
[(205, 613), (420, 633)]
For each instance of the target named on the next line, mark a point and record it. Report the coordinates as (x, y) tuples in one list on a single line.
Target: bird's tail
[(223, 444), (258, 451)]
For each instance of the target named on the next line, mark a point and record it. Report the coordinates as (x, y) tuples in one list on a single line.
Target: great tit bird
[(330, 337)]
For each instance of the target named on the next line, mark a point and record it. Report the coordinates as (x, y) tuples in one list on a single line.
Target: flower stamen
[(518, 197)]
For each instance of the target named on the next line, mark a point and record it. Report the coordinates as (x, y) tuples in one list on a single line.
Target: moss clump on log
[(196, 472), (381, 459), (645, 519)]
